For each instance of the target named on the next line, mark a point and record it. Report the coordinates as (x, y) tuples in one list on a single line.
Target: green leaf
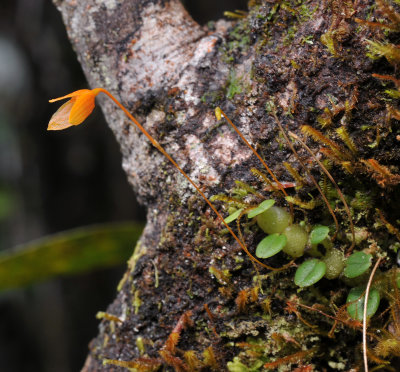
[(233, 216), (270, 245), (356, 298), (309, 272), (69, 252), (357, 264), (318, 234), (262, 207)]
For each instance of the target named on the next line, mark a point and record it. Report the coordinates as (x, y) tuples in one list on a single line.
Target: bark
[(171, 73)]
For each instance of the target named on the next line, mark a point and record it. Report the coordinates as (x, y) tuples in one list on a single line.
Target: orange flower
[(75, 111)]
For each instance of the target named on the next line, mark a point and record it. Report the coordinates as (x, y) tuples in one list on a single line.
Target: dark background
[(53, 181)]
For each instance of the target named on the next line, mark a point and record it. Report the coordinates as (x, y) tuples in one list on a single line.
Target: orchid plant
[(81, 104)]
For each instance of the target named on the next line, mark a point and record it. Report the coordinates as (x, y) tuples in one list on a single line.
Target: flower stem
[(161, 149)]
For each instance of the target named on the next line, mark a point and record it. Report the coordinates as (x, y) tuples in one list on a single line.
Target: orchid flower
[(81, 104), (74, 111)]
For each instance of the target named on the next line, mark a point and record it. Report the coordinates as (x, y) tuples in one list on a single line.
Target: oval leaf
[(233, 216), (271, 245), (357, 264), (309, 272), (318, 234), (266, 204), (356, 298)]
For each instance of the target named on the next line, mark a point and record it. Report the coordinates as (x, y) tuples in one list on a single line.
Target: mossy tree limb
[(298, 62)]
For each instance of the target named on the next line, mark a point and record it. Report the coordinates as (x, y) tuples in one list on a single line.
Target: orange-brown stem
[(308, 172), (341, 196), (161, 149), (259, 158)]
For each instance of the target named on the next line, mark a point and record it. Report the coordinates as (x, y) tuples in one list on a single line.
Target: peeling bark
[(171, 73)]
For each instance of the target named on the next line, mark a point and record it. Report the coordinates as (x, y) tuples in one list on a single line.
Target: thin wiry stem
[(308, 172), (280, 186), (346, 207), (161, 149), (364, 332)]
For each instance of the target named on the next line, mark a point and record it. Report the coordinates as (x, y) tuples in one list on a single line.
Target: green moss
[(237, 366), (290, 34), (222, 276), (137, 302), (212, 97), (362, 201), (234, 85), (238, 42), (329, 40)]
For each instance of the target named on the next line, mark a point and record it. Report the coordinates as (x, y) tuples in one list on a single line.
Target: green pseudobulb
[(334, 260), (274, 220), (297, 239)]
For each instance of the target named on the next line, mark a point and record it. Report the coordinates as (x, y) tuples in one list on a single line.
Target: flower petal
[(82, 107), (73, 94), (60, 119)]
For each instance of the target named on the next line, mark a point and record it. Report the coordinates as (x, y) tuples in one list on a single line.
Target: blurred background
[(53, 181)]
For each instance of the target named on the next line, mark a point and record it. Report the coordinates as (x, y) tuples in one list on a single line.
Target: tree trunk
[(294, 63)]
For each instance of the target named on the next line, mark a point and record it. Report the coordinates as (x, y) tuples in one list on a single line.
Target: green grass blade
[(68, 252)]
